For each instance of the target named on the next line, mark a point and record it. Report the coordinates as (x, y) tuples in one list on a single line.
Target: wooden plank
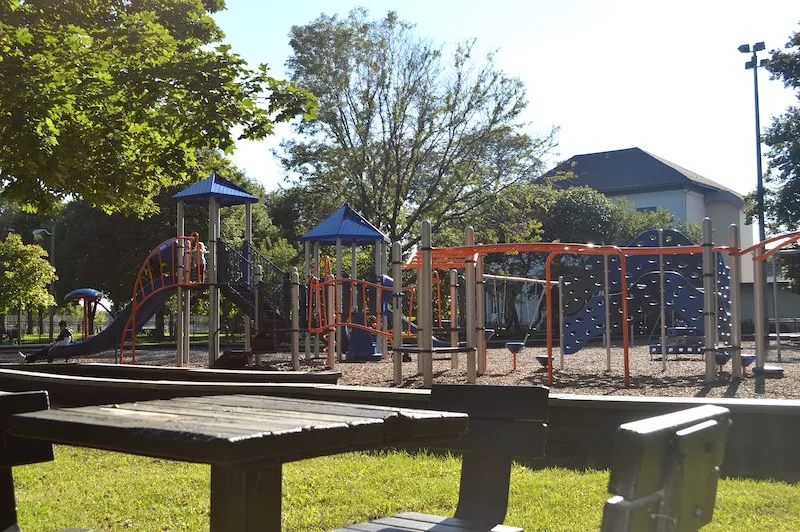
[(402, 423), (186, 440), (253, 417), (413, 521), (508, 402), (199, 430), (145, 372), (306, 405), (435, 519), (442, 525)]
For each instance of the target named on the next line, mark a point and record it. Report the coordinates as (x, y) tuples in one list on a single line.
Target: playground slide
[(109, 337)]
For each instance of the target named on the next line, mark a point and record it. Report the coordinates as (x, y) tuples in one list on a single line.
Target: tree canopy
[(108, 102), (25, 274), (406, 130), (783, 139)]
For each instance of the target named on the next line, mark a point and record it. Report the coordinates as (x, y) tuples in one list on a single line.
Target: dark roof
[(218, 187), (620, 172), (347, 225)]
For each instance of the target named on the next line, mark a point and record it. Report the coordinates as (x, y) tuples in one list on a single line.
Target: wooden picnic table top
[(236, 429)]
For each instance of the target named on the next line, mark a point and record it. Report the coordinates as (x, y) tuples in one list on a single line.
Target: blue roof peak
[(216, 186), (347, 225)]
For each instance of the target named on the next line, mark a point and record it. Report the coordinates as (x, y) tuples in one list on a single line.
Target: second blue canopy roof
[(347, 225)]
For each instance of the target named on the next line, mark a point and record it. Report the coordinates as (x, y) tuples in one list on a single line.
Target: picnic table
[(244, 438)]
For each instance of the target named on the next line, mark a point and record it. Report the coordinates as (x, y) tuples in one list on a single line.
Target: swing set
[(534, 291)]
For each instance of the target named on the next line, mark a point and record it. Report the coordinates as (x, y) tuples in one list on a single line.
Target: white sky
[(664, 76)]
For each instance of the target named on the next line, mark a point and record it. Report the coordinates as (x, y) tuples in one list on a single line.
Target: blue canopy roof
[(347, 225), (216, 186), (80, 293)]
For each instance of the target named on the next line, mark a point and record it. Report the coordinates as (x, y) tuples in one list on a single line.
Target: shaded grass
[(111, 491)]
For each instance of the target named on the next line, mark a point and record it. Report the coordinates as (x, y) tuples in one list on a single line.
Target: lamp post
[(754, 64), (39, 235)]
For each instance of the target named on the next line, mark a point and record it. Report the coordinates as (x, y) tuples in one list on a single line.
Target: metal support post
[(294, 279), (469, 311), (736, 303), (397, 311), (454, 316), (709, 306)]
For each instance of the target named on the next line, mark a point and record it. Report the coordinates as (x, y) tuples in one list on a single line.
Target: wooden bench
[(14, 452), (665, 470), (504, 422)]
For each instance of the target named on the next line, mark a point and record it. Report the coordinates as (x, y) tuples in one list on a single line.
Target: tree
[(783, 139), (108, 102), (25, 274), (404, 132)]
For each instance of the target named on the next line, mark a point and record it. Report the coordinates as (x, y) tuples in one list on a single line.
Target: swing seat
[(515, 347), (722, 359)]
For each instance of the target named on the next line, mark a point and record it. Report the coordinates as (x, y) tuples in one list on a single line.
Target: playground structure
[(243, 275), (360, 320), (721, 329)]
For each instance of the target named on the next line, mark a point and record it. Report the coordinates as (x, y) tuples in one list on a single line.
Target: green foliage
[(541, 212), (783, 139), (405, 131), (108, 102), (544, 213), (25, 274), (782, 196), (123, 492)]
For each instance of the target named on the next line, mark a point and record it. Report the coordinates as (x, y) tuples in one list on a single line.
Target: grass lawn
[(110, 491)]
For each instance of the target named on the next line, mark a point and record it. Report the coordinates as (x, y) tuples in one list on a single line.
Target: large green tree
[(406, 130), (782, 201), (25, 274), (108, 101), (783, 139)]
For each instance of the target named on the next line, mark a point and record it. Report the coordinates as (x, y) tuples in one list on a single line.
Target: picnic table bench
[(665, 470), (244, 438), (504, 422)]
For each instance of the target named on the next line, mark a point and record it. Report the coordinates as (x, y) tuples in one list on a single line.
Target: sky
[(664, 76)]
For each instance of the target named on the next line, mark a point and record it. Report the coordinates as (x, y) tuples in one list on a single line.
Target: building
[(648, 182)]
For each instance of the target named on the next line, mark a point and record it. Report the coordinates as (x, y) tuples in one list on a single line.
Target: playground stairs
[(235, 274)]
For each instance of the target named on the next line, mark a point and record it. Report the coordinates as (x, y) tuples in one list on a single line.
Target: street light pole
[(754, 64), (38, 234)]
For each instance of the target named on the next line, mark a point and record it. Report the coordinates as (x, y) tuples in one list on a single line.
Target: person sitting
[(64, 338)]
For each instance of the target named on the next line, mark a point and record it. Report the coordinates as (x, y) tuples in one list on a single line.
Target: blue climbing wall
[(584, 302)]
